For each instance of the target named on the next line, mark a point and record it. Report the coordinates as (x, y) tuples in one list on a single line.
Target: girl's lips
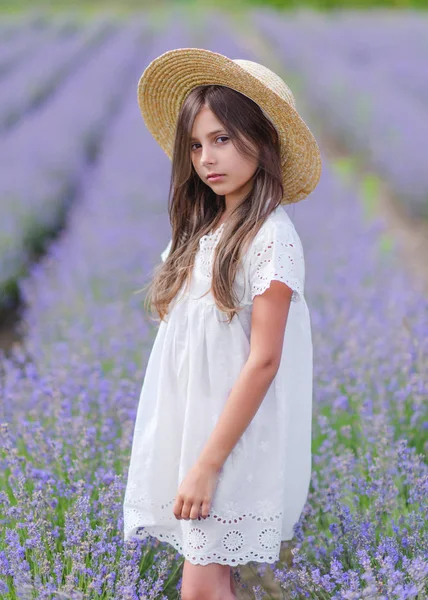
[(215, 178)]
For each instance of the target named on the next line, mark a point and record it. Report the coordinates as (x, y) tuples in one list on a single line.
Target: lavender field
[(84, 187)]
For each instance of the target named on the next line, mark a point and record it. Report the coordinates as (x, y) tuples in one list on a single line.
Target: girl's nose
[(206, 157)]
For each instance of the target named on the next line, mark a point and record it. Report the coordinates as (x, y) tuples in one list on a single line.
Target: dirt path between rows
[(410, 234), (8, 329)]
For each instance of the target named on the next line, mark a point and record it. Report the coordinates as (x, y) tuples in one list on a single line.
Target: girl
[(221, 455)]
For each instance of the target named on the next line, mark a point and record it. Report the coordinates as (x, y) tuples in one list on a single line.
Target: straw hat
[(170, 77)]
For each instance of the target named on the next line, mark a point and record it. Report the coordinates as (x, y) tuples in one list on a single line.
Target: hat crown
[(268, 78)]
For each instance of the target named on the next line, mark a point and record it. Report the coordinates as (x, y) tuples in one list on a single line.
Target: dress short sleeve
[(164, 254), (277, 254)]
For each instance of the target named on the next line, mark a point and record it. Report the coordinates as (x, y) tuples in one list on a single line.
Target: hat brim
[(170, 77)]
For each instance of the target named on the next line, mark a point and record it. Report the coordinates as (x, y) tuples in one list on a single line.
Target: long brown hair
[(195, 209)]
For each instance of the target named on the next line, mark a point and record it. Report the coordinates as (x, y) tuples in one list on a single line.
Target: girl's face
[(212, 151)]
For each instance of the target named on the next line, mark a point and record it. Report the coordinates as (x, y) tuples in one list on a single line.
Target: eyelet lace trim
[(281, 263), (280, 266), (239, 545), (212, 234), (207, 243)]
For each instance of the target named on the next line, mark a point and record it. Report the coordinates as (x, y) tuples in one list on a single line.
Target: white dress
[(195, 360)]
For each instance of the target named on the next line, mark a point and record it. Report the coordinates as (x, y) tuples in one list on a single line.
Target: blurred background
[(83, 220), (68, 75)]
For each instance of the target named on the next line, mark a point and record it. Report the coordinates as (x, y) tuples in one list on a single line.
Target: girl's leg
[(206, 582)]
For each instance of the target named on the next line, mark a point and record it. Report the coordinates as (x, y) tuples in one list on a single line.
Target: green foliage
[(369, 193), (125, 5)]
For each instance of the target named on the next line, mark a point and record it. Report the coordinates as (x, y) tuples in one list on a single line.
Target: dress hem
[(267, 558)]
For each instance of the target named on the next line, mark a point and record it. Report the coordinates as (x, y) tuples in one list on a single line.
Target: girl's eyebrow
[(209, 134)]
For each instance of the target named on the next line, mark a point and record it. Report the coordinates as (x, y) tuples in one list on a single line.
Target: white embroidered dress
[(195, 360)]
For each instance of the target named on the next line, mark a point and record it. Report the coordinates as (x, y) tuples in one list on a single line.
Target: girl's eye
[(220, 137)]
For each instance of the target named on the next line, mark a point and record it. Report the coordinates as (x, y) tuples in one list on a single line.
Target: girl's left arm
[(268, 321)]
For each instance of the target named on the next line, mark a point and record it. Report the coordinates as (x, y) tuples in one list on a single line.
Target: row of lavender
[(365, 78), (72, 395), (18, 40), (14, 26), (32, 80), (46, 154)]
